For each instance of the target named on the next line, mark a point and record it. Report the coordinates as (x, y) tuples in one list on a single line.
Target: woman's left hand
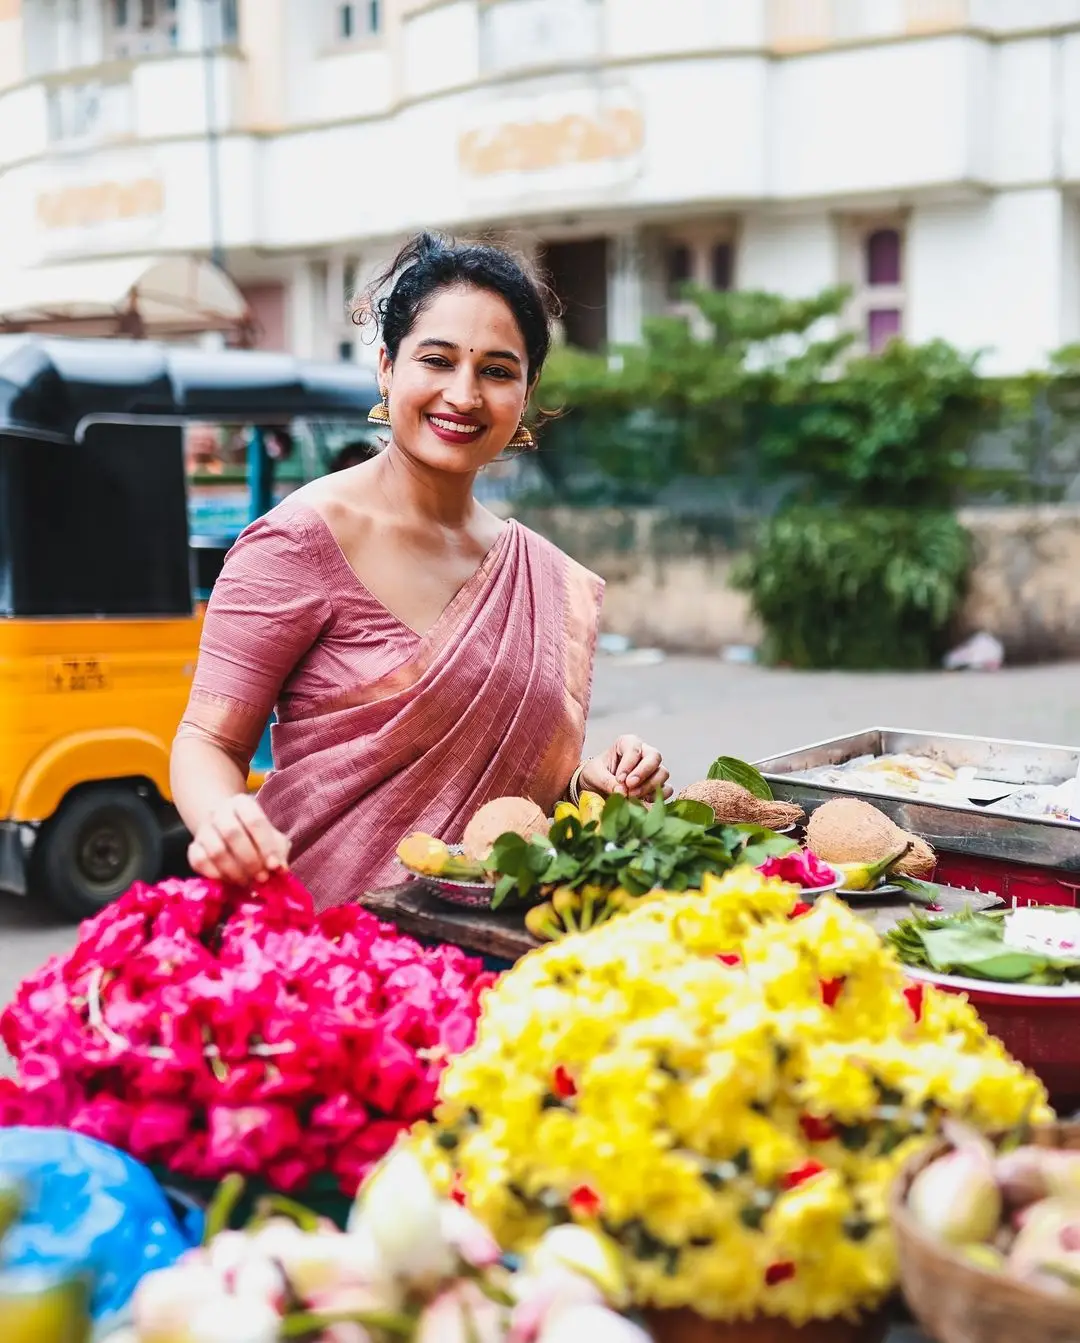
[(630, 767)]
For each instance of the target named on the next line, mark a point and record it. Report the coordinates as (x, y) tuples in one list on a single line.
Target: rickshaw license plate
[(77, 674)]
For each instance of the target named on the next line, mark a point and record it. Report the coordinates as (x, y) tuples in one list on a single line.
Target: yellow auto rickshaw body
[(103, 587)]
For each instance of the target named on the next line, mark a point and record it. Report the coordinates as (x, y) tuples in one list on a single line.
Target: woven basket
[(685, 1326), (954, 1301)]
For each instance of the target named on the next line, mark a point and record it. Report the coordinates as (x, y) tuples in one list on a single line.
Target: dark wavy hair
[(430, 263)]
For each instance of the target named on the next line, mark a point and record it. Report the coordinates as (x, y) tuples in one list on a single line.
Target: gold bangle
[(574, 791)]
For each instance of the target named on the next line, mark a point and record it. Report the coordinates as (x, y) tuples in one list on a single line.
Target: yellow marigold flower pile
[(725, 1084)]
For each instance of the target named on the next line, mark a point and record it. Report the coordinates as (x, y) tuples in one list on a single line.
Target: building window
[(701, 254), (141, 27), (883, 257), (679, 264), (722, 267), (879, 302), (358, 19), (230, 21)]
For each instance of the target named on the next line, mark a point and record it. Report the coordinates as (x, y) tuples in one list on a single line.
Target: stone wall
[(667, 576), (1025, 581)]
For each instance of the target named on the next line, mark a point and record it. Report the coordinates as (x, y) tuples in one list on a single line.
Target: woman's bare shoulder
[(339, 503)]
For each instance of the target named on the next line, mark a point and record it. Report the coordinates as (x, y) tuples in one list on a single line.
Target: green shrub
[(863, 589)]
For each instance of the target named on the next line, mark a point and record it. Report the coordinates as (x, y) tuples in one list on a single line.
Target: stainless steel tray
[(971, 830)]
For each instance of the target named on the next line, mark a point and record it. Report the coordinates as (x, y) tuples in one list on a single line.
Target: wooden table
[(418, 911)]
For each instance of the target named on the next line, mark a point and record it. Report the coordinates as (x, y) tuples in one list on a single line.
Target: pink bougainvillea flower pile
[(210, 1029)]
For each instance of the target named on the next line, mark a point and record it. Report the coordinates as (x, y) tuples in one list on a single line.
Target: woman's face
[(459, 384)]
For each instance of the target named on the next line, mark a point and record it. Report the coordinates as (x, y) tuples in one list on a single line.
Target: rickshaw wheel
[(100, 841)]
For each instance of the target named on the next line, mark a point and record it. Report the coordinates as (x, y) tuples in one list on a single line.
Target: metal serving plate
[(472, 894), (971, 830)]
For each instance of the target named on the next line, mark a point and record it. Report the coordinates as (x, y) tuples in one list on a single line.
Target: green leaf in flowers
[(503, 887), (686, 809), (676, 831), (654, 821), (567, 831), (759, 851), (729, 770), (639, 847), (539, 856), (753, 844), (615, 816), (508, 852)]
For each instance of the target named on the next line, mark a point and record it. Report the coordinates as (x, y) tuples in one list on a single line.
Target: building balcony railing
[(93, 113)]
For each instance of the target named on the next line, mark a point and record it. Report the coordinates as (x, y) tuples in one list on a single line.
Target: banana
[(461, 869), (865, 876), (543, 923), (569, 905), (590, 807)]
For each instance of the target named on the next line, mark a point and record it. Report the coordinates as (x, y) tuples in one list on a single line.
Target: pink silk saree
[(381, 731)]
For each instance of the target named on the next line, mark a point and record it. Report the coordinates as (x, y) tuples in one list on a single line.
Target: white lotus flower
[(400, 1211), (581, 1251), (233, 1319), (163, 1301), (542, 1296)]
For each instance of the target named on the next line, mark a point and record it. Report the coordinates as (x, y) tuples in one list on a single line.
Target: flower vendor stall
[(712, 1052)]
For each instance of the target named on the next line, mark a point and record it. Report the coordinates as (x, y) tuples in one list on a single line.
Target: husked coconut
[(848, 830), (733, 804), (919, 861), (502, 816)]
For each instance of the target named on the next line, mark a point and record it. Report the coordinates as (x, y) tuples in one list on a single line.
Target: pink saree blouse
[(381, 731)]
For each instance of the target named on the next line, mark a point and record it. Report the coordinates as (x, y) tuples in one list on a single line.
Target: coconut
[(919, 861), (502, 816), (733, 804), (848, 830)]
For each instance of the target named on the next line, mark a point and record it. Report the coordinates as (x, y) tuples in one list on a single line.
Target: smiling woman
[(423, 656)]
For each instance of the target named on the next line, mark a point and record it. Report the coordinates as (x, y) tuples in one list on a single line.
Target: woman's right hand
[(237, 843)]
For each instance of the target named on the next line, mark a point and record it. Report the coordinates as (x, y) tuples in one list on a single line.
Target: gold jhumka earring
[(380, 413), (523, 440)]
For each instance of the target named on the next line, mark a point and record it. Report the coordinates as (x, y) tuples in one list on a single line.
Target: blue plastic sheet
[(91, 1208)]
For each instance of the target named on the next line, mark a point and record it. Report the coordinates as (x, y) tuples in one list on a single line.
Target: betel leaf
[(971, 944), (729, 770), (922, 892), (975, 951)]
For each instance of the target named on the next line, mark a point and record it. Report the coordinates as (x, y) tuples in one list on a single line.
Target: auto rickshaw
[(103, 584)]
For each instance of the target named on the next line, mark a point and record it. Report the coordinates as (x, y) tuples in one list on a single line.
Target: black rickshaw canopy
[(51, 385)]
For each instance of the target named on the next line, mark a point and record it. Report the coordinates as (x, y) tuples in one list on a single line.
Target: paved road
[(695, 709)]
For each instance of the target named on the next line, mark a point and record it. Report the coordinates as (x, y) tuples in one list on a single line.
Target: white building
[(925, 151)]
